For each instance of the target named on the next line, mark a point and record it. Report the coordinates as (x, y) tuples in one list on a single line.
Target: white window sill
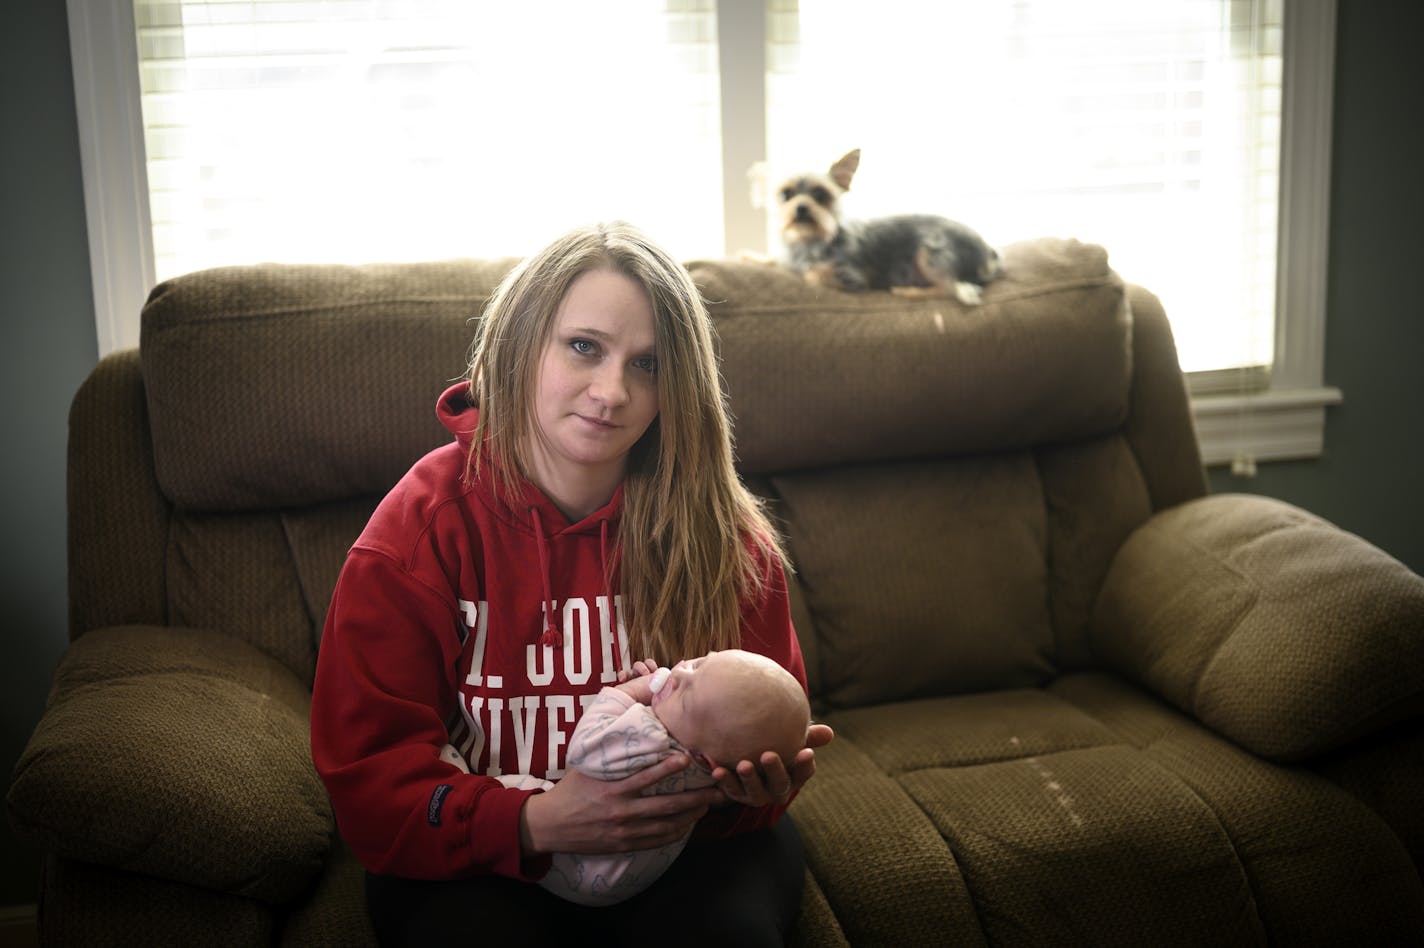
[(1276, 425)]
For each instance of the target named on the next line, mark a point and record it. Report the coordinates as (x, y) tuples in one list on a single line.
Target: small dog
[(911, 254)]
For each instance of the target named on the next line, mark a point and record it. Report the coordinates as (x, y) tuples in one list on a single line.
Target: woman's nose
[(609, 386)]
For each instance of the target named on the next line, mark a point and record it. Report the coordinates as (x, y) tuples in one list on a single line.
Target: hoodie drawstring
[(552, 636), (608, 591)]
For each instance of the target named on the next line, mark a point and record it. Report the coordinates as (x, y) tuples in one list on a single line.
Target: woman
[(586, 513)]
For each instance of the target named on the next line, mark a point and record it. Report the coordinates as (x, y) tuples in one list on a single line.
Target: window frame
[(1236, 424), (1286, 419)]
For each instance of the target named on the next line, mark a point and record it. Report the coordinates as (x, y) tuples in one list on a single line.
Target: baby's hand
[(640, 669), (637, 684)]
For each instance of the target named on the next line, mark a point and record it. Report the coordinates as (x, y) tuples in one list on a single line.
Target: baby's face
[(681, 701)]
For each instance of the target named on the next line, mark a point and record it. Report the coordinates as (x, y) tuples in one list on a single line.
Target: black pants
[(733, 893)]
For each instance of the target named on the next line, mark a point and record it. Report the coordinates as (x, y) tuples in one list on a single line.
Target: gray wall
[(1368, 480), (49, 345)]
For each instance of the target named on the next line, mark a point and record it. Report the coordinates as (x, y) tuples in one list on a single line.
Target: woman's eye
[(647, 364), (582, 346)]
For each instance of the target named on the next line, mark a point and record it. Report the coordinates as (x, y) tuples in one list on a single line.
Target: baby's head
[(732, 706)]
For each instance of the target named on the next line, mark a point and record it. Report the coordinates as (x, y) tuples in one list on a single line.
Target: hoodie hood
[(457, 411)]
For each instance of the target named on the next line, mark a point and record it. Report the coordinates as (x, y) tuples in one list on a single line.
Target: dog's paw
[(970, 294), (918, 292), (822, 275)]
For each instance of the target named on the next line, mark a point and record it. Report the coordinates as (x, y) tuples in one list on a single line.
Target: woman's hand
[(582, 815), (767, 781)]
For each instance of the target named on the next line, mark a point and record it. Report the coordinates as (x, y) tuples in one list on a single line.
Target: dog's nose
[(803, 212)]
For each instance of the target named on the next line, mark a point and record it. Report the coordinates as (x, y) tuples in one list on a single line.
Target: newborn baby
[(719, 709)]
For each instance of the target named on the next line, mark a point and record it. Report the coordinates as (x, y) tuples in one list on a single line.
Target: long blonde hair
[(693, 543)]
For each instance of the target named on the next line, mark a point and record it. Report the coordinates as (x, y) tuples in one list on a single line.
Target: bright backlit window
[(358, 130), (1152, 128)]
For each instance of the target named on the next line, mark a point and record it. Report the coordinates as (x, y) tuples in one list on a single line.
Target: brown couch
[(1078, 701)]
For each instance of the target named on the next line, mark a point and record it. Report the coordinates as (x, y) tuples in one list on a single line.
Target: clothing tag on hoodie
[(437, 803)]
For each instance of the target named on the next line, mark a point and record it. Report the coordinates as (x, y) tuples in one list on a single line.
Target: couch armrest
[(178, 753), (1280, 631)]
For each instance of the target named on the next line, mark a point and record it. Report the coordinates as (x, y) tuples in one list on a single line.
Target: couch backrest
[(953, 480)]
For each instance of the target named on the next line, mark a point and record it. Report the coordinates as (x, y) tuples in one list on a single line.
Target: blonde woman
[(586, 513)]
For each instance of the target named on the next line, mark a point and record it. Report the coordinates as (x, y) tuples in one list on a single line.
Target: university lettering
[(525, 725)]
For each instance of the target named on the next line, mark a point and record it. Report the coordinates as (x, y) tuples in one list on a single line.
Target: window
[(1149, 128), (361, 130)]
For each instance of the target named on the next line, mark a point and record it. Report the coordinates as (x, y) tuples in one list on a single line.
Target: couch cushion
[(166, 751), (319, 538), (232, 357), (1045, 359), (265, 578), (1090, 813), (1095, 495), (922, 578), (233, 573), (1323, 867), (882, 866)]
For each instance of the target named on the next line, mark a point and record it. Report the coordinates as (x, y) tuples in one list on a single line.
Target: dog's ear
[(844, 169)]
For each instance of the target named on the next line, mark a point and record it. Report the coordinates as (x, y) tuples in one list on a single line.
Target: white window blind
[(402, 129), (356, 130), (1152, 128)]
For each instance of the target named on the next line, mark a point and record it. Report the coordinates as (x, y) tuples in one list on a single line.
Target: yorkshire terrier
[(908, 254)]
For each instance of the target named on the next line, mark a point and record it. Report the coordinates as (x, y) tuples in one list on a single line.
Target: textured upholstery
[(155, 731), (1076, 700), (1267, 624), (117, 535), (881, 552), (818, 377), (355, 357), (1135, 825)]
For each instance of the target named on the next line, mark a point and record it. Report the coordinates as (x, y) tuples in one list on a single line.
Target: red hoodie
[(437, 634)]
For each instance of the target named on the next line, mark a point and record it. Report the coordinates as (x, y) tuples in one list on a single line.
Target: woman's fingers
[(756, 784), (771, 782), (803, 768)]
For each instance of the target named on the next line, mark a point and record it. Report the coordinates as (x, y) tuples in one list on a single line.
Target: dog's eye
[(821, 196), (788, 193)]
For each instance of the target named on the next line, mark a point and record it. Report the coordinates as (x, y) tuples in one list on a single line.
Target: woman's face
[(596, 391)]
